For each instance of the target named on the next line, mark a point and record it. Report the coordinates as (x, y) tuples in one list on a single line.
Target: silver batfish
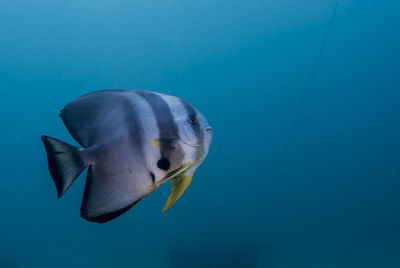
[(133, 141)]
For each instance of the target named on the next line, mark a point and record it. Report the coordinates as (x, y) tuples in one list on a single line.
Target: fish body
[(133, 141)]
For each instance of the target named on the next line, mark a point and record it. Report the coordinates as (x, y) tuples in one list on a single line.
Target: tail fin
[(65, 163)]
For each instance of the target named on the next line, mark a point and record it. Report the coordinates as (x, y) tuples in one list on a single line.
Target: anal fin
[(178, 186), (108, 195)]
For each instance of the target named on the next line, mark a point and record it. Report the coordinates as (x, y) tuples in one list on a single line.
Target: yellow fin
[(178, 186), (155, 143), (176, 173), (168, 144)]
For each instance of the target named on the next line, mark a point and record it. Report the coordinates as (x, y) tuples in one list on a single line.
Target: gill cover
[(186, 133)]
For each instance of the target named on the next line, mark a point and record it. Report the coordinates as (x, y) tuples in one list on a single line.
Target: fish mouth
[(208, 129)]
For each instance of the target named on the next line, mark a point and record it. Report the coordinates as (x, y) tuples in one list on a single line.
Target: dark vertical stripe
[(195, 127), (134, 125), (168, 130)]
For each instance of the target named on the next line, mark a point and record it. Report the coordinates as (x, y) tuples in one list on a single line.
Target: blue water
[(303, 170)]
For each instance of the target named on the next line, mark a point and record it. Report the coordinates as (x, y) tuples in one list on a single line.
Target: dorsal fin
[(95, 115)]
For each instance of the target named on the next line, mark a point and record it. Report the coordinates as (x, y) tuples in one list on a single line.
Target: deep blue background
[(335, 196)]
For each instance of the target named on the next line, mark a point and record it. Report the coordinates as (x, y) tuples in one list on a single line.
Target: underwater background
[(303, 96)]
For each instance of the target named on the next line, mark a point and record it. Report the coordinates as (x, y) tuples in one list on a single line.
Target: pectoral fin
[(155, 144), (178, 186), (163, 144)]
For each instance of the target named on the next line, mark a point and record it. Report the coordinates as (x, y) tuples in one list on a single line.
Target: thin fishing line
[(307, 89), (299, 108)]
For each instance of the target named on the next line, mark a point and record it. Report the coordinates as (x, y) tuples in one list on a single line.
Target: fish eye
[(193, 120)]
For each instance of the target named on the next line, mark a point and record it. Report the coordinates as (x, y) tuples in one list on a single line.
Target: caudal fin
[(65, 163)]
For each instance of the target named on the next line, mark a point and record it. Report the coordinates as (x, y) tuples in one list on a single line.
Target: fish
[(132, 142)]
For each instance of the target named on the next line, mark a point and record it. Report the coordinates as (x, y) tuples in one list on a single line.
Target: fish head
[(183, 142), (195, 135), (186, 135)]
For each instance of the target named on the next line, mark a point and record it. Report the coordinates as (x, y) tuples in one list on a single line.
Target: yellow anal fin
[(178, 186)]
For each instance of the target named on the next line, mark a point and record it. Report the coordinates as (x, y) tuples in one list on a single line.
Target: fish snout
[(208, 136)]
